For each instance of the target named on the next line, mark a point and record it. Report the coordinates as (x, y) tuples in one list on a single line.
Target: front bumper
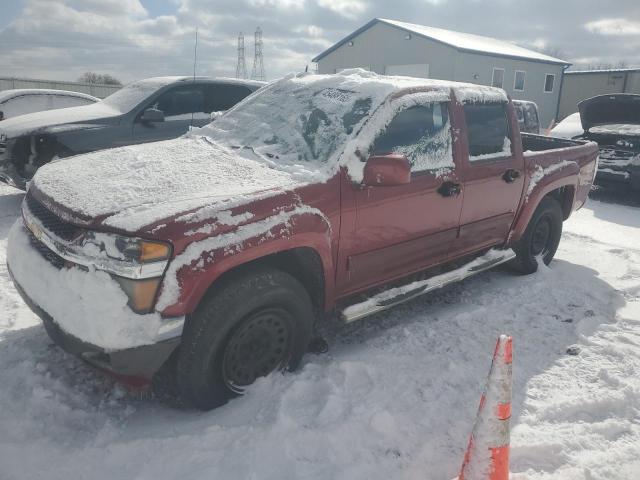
[(132, 365)]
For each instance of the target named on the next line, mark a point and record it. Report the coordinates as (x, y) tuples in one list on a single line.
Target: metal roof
[(465, 42)]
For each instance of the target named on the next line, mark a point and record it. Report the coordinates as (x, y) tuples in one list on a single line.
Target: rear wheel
[(541, 238), (253, 325)]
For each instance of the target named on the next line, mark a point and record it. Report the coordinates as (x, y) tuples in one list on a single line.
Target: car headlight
[(136, 264), (124, 249)]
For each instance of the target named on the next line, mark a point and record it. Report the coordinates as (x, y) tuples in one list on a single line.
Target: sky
[(133, 39)]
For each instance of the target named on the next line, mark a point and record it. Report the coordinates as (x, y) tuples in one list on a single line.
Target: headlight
[(146, 260), (124, 249)]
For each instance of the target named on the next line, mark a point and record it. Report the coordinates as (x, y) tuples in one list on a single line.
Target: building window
[(549, 80), (497, 80), (518, 81)]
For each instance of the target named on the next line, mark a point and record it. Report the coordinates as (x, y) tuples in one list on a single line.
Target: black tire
[(541, 238), (248, 327)]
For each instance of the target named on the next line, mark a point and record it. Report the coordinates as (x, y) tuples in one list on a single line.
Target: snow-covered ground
[(395, 397)]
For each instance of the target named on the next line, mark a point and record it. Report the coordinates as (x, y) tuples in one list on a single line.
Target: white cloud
[(61, 39), (614, 26), (346, 8)]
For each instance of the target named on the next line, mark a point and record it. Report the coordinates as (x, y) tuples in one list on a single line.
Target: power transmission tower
[(258, 66), (241, 67)]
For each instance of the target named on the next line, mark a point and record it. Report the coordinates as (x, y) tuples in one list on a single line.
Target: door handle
[(450, 189), (510, 175)]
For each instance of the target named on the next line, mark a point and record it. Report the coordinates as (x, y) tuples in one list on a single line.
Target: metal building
[(97, 90), (579, 85), (397, 48)]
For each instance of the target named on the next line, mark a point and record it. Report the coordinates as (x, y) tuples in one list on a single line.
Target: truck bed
[(539, 143)]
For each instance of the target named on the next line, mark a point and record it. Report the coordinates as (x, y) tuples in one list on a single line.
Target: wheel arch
[(563, 192)]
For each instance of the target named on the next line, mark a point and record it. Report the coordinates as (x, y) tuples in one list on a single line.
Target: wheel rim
[(259, 346), (541, 236)]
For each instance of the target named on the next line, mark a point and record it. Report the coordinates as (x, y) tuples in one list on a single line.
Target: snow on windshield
[(303, 123), (295, 124), (131, 95)]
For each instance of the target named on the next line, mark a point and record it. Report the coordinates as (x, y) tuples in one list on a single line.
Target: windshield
[(293, 122), (133, 94)]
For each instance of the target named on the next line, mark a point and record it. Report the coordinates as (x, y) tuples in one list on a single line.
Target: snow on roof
[(605, 70), (7, 94), (461, 41)]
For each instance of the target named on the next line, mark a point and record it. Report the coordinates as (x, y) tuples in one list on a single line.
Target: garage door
[(410, 70)]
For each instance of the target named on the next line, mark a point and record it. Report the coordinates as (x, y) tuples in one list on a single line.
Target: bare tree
[(101, 78)]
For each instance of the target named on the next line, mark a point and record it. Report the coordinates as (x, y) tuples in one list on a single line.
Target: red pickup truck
[(215, 254)]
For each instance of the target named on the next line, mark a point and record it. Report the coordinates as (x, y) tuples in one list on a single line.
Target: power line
[(241, 66), (257, 73)]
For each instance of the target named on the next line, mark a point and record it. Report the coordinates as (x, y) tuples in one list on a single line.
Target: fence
[(97, 90)]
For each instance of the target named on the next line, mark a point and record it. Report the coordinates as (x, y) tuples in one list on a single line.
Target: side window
[(183, 100), (421, 133), (497, 79), (223, 97), (487, 130), (64, 101), (531, 118)]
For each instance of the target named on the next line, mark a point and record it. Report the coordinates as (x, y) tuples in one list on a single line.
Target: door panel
[(397, 230), (401, 229), (493, 180)]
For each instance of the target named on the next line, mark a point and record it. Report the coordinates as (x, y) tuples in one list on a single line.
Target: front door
[(405, 228), (493, 177), (182, 107)]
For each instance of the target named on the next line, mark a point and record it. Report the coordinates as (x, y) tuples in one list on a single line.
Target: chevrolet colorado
[(218, 252)]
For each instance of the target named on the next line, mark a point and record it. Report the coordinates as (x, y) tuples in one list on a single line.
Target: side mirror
[(152, 115), (387, 170)]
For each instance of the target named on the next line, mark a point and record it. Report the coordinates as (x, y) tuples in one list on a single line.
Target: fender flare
[(304, 227)]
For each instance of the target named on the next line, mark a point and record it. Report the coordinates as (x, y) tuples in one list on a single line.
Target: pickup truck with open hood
[(613, 122), (214, 256)]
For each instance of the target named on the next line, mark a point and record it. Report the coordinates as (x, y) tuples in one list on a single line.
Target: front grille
[(616, 159), (50, 221), (48, 254)]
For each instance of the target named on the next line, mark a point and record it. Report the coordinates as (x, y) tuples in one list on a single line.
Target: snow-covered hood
[(131, 187), (616, 109), (52, 119)]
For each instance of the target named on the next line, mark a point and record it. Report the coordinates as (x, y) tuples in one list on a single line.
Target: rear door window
[(421, 133), (487, 131), (223, 97), (182, 102), (64, 101)]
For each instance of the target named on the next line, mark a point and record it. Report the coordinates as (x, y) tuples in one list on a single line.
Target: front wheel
[(541, 238), (252, 325)]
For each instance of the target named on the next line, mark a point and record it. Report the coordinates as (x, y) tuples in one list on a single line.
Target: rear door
[(492, 174), (405, 228), (180, 105)]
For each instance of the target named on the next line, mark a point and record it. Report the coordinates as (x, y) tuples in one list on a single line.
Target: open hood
[(614, 109)]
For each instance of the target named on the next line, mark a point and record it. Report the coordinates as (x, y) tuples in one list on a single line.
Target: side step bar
[(394, 296)]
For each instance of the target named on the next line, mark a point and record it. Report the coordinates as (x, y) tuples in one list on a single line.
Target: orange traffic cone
[(487, 456)]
